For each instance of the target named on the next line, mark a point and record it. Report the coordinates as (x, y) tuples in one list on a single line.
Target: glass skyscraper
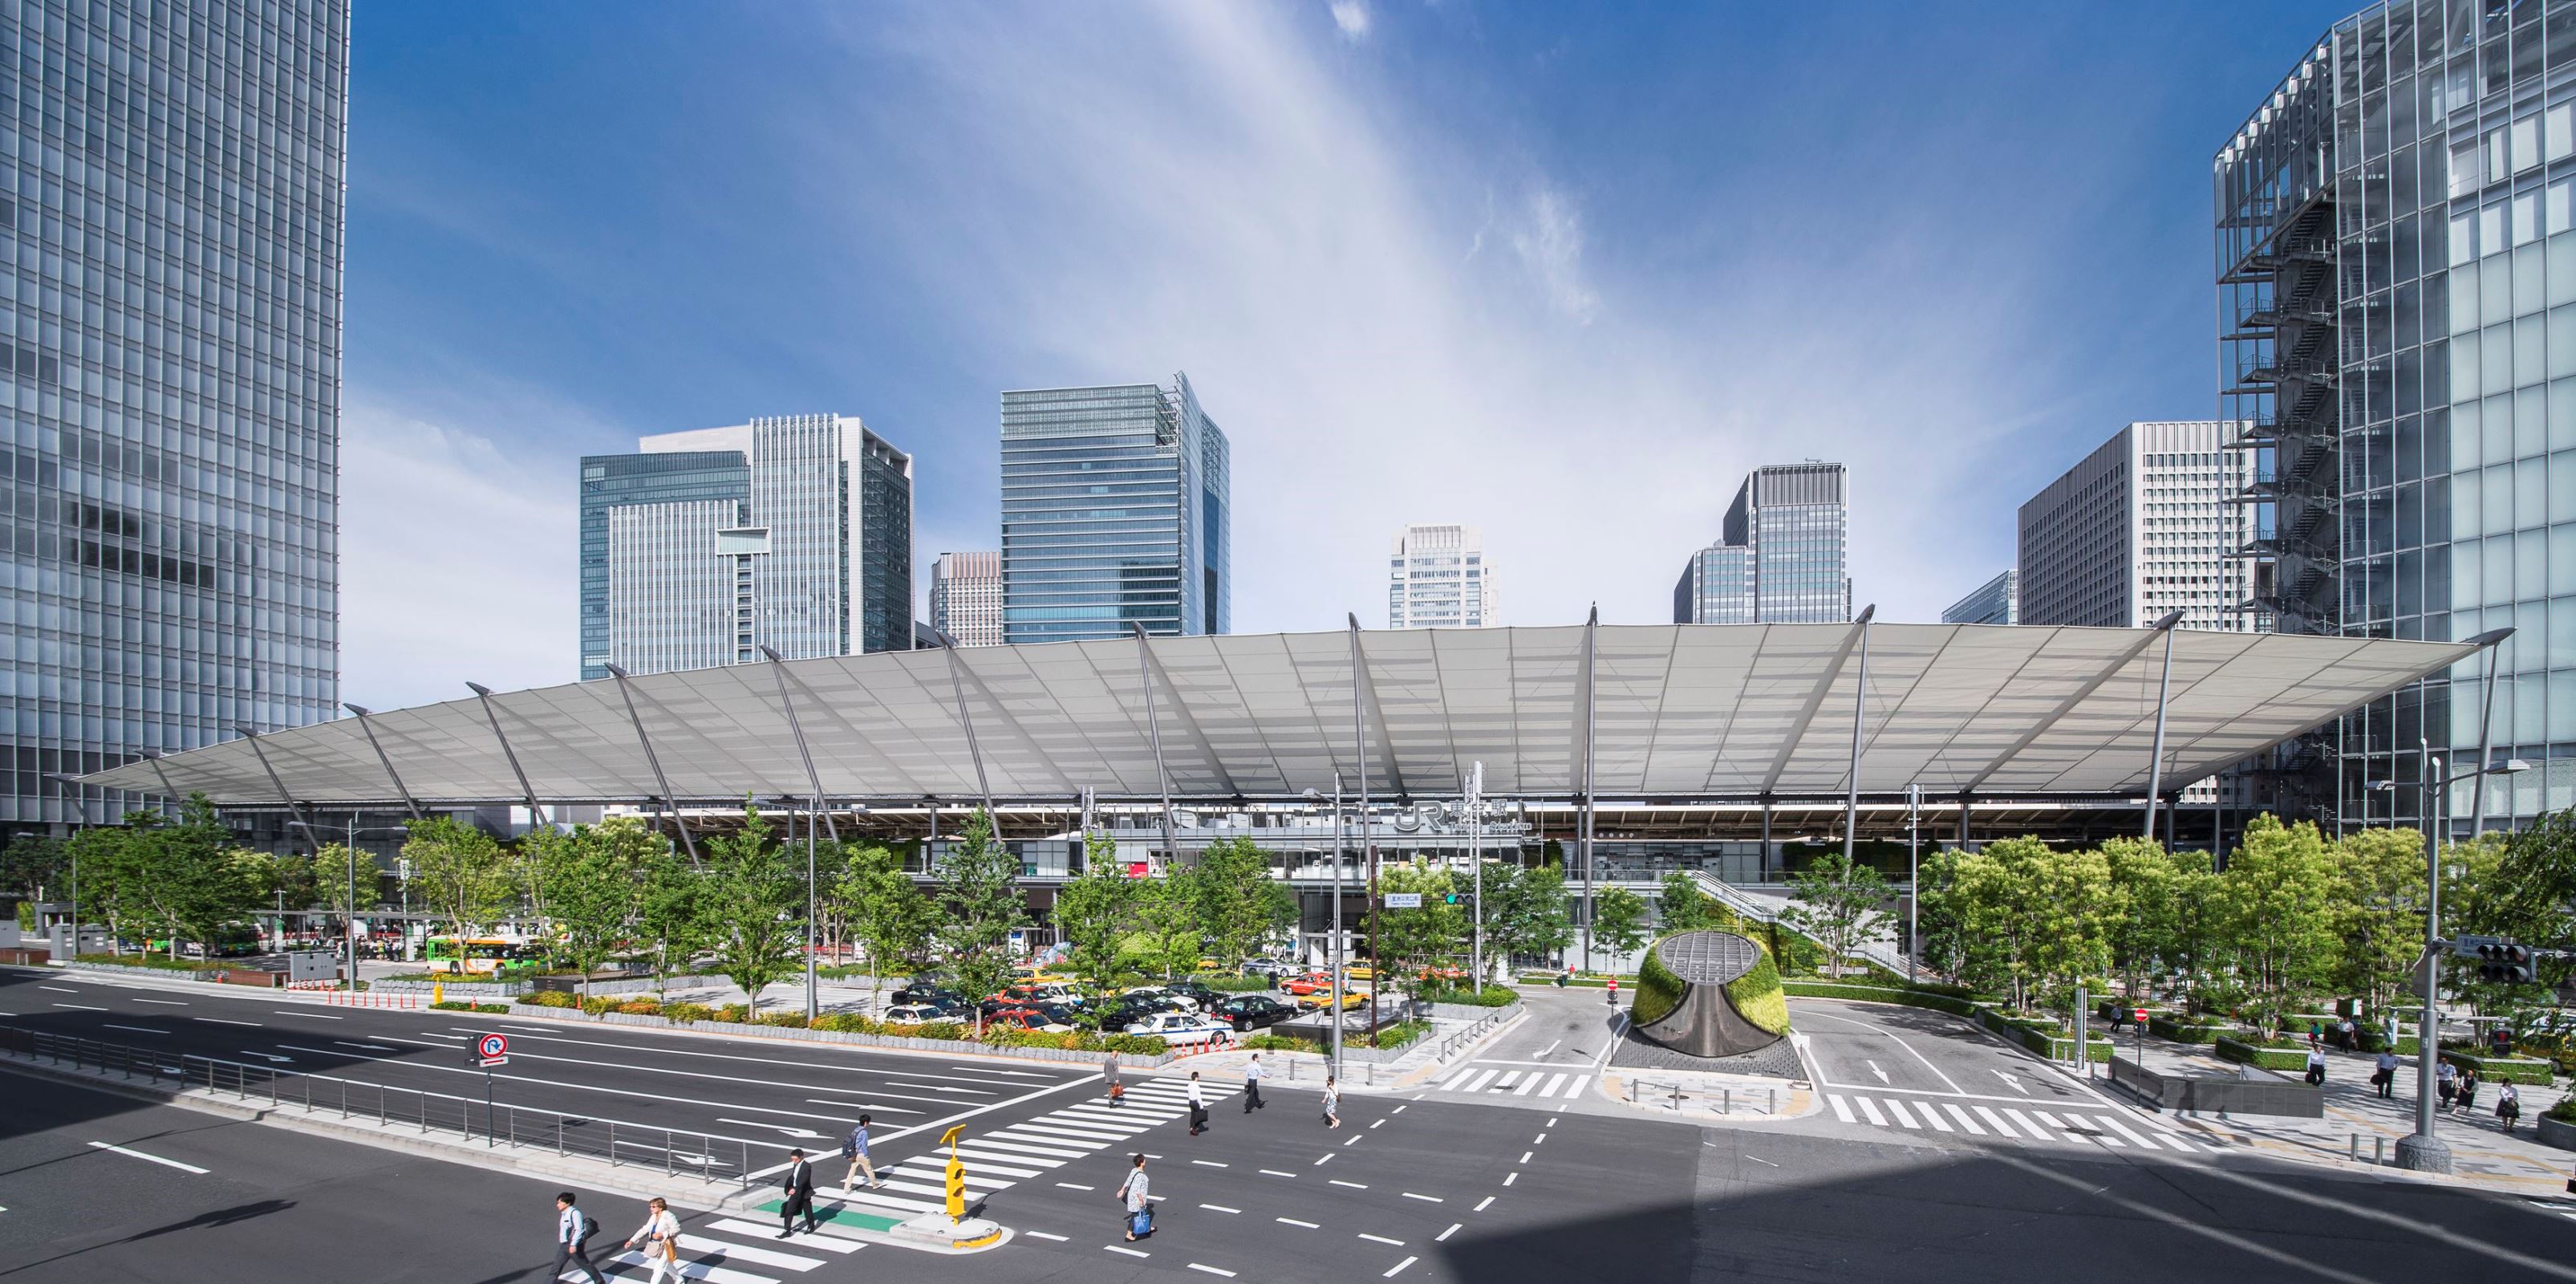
[(792, 532), (1997, 601), (2396, 264), (1115, 511), (1781, 557), (171, 179)]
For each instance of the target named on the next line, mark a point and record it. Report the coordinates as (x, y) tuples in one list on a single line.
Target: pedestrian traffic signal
[(956, 1189), (2505, 962)]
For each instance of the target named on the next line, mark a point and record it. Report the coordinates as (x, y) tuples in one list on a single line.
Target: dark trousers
[(1252, 1096), (797, 1202), (575, 1254), (1198, 1120)]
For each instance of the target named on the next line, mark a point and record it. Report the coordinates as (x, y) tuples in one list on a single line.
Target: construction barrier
[(332, 994)]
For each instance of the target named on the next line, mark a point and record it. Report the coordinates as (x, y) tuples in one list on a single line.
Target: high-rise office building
[(1115, 513), (1997, 601), (1437, 577), (1781, 555), (2143, 526), (174, 183), (2396, 265), (793, 533), (966, 597)]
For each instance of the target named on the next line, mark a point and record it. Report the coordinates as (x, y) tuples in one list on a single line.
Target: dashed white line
[(137, 1154), (1398, 1110), (1207, 1163), (1321, 1162), (1352, 1184), (1509, 1178), (1481, 1204), (138, 1029), (1070, 1186), (1044, 1235), (1443, 1236), (1525, 1155), (167, 1003), (1428, 1199), (1294, 1222), (1131, 1252), (1273, 1172), (324, 1016), (1212, 1270), (1220, 1208), (80, 1007), (221, 1021), (57, 989), (1381, 1239), (1379, 1124), (1391, 1271)]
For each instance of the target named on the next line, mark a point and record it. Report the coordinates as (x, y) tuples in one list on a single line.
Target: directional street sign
[(492, 1050), (1404, 900)]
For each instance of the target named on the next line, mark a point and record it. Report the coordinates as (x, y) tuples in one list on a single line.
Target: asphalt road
[(741, 1101)]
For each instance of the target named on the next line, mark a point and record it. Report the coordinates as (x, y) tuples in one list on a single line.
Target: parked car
[(1322, 999), (1359, 972), (1198, 992), (1028, 1019), (921, 992), (1252, 1011), (1163, 994), (914, 1014), (1310, 983), (1183, 1027)]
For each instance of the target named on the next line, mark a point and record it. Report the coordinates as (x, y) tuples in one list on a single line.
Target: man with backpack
[(573, 1229), (854, 1148)]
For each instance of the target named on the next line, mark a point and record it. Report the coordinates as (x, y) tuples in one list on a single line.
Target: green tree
[(2140, 918), (888, 916), (979, 903), (1096, 911), (1526, 910), (1410, 940), (753, 906), (1170, 939), (2378, 912), (671, 916), (461, 874), (1681, 906), (1232, 886), (2030, 917), (34, 866), (598, 878), (1618, 920), (2277, 914), (1838, 903), (197, 881)]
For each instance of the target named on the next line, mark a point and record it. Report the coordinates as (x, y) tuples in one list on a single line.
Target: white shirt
[(568, 1225), (662, 1224), (1252, 1071), (1195, 1100), (1134, 1189)]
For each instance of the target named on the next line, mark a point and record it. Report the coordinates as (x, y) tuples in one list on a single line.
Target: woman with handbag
[(1133, 1197), (659, 1237)]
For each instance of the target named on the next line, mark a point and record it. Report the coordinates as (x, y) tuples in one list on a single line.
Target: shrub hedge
[(2501, 1069), (1492, 996), (1918, 996), (2167, 1026), (1757, 996), (1275, 1043), (2238, 1050), (1658, 990), (549, 999)]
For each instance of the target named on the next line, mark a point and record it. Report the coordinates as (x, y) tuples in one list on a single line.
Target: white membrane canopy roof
[(1680, 712)]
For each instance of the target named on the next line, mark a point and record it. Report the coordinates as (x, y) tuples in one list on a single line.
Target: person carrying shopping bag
[(1252, 1085), (2508, 1106), (1198, 1106), (1133, 1196), (659, 1238)]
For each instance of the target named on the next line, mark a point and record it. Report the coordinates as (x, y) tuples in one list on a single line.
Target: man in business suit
[(799, 1189)]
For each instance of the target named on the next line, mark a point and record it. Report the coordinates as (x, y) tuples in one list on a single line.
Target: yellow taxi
[(1322, 999)]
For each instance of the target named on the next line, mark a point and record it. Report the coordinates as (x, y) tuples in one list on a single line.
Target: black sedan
[(1252, 1011)]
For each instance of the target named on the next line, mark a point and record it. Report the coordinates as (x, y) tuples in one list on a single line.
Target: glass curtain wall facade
[(1716, 587), (613, 482), (2397, 273), (1115, 511), (1997, 601), (171, 181), (1792, 517)]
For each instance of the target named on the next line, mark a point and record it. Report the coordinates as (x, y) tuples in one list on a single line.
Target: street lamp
[(1314, 797), (350, 832), (2423, 1151)]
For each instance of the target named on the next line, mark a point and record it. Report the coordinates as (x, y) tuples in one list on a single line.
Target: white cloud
[(457, 557), (1551, 243), (1352, 17)]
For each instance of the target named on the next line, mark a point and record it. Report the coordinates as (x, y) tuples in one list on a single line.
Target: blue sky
[(1452, 261)]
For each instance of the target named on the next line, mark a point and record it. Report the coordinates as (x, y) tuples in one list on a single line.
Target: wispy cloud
[(1551, 243), (1351, 17)]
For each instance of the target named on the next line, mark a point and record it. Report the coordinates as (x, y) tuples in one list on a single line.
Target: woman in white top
[(659, 1237), (1332, 1103)]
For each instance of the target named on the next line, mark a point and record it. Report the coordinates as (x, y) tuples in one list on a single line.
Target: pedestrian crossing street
[(1514, 1083), (2024, 1122), (995, 1161)]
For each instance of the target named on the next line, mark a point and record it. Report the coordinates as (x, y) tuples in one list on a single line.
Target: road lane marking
[(1207, 1163), (1443, 1237), (1391, 1271), (1841, 1111), (1882, 1075), (1070, 1186), (1531, 1083), (1043, 1235), (1903, 1116), (1352, 1142), (1321, 1162), (371, 1047), (137, 1154), (1428, 1199), (1381, 1239), (1398, 1110), (167, 1003), (57, 989), (80, 1007), (863, 1105), (2122, 1129), (1542, 1053), (1131, 1252), (1352, 1184), (1212, 1270), (1998, 1122), (1273, 1172), (2028, 1124), (1220, 1208), (138, 1029), (2013, 1081), (1480, 1207), (1870, 1108), (1970, 1124), (1932, 1114), (1294, 1222), (1379, 1124), (1509, 1178), (932, 1087), (321, 1016), (1539, 1140)]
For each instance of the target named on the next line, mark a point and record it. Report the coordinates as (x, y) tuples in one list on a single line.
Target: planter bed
[(2055, 1047), (2166, 1026), (463, 989), (2262, 1058), (757, 1031), (2501, 1069), (2554, 1133), (1879, 994)]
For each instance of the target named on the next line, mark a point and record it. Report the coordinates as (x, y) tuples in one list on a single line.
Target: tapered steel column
[(654, 761), (382, 757)]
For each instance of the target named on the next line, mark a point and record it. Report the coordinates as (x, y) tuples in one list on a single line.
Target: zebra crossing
[(1514, 1083), (705, 1255), (995, 1161), (1966, 1118)]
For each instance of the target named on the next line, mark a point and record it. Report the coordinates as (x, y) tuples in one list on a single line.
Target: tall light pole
[(1913, 879), (1336, 958), (2422, 1151), (1476, 864)]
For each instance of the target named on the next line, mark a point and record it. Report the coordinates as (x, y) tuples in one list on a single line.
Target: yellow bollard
[(437, 993)]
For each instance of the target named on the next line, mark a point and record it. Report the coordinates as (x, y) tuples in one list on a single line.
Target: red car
[(1311, 983)]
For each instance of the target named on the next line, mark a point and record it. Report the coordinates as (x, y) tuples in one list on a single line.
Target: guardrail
[(620, 1144), (1883, 953), (1452, 1042)]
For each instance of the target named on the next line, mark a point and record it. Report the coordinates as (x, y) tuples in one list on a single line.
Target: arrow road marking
[(1873, 1069), (799, 1133), (271, 1057), (2013, 1081)]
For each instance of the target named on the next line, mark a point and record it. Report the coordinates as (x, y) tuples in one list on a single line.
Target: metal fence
[(673, 1151)]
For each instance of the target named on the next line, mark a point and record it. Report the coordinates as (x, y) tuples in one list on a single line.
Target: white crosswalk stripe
[(720, 1261), (2021, 1124), (1534, 1084)]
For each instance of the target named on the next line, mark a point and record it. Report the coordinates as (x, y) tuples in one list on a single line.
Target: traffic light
[(2505, 962), (956, 1189)]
